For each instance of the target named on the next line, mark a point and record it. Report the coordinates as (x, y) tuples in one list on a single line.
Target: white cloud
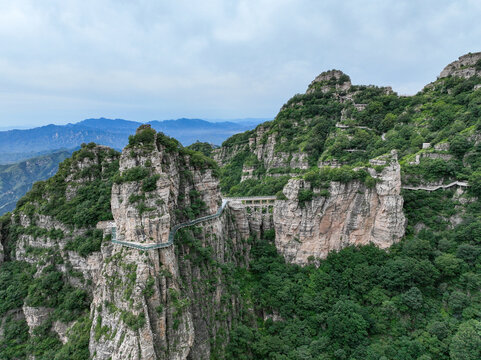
[(65, 60)]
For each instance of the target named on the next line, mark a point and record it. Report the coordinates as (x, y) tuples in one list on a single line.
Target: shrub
[(150, 184), (136, 173), (132, 321), (87, 244), (304, 195), (144, 136)]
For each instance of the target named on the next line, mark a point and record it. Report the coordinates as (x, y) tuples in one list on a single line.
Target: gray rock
[(352, 215)]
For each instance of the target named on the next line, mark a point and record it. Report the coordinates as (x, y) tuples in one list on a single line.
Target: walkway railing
[(251, 198), (246, 200), (173, 231), (435, 187), (255, 201)]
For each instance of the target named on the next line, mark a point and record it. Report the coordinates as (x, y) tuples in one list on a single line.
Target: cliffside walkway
[(436, 187), (247, 201), (344, 126), (260, 201)]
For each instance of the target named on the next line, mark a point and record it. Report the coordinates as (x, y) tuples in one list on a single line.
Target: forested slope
[(419, 300)]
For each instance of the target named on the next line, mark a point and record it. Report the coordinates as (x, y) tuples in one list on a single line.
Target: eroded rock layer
[(352, 214)]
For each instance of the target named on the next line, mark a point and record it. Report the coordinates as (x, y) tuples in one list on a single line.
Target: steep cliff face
[(82, 293), (262, 145), (168, 303), (352, 214)]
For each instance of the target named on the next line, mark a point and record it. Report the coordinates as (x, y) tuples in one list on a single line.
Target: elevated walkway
[(258, 201), (435, 187), (247, 201), (254, 201)]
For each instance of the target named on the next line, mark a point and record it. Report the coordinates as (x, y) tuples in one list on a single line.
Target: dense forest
[(419, 300)]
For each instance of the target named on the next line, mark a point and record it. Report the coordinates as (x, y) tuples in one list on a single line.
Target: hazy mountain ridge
[(17, 145)]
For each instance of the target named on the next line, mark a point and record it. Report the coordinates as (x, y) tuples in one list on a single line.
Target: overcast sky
[(63, 61)]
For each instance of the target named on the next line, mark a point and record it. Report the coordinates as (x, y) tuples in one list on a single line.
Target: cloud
[(65, 60)]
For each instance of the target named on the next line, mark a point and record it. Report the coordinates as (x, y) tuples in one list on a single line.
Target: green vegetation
[(203, 147), (145, 137), (15, 277), (265, 186), (419, 300), (78, 340), (445, 112), (91, 201), (50, 290), (86, 244), (17, 179), (136, 173), (320, 178), (150, 184), (135, 322)]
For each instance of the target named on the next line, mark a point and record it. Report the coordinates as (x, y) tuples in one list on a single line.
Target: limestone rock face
[(61, 329), (251, 220), (262, 145), (352, 214), (466, 66), (154, 304)]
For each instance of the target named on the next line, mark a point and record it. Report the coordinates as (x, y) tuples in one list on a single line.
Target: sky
[(64, 61)]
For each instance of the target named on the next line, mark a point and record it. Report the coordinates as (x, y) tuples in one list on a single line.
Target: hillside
[(328, 155), (18, 145), (337, 124), (17, 179), (371, 250)]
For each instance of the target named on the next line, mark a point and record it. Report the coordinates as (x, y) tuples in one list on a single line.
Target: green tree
[(466, 343), (346, 325)]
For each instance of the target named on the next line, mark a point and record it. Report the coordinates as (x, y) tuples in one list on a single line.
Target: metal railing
[(435, 187), (172, 232)]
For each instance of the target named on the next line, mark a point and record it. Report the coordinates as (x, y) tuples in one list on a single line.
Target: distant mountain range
[(31, 155), (18, 145)]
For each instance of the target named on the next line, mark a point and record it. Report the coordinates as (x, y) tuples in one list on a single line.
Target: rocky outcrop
[(466, 66), (161, 304), (251, 220), (35, 316), (263, 145), (352, 214), (62, 329), (329, 80)]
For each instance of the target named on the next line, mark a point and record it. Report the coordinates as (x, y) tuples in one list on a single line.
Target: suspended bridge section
[(436, 187), (252, 201)]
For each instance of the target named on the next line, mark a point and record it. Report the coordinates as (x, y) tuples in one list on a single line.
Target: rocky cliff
[(352, 214), (171, 303), (168, 303), (330, 157)]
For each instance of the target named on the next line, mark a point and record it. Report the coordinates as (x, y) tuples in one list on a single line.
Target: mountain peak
[(328, 80), (466, 66)]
